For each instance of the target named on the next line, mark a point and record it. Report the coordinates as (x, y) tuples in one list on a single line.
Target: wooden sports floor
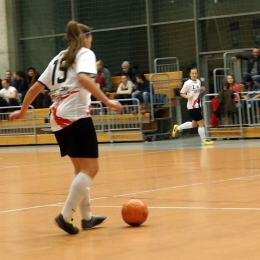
[(204, 202)]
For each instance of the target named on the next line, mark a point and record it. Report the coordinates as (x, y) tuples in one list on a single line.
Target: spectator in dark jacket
[(253, 64), (252, 97), (43, 99), (142, 91), (21, 84), (129, 71)]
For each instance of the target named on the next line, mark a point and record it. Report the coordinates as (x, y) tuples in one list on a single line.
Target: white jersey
[(70, 100), (192, 88)]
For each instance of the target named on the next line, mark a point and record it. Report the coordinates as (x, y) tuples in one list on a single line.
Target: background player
[(191, 90)]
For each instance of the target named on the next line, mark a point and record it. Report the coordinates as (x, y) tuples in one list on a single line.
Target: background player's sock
[(201, 131), (183, 126)]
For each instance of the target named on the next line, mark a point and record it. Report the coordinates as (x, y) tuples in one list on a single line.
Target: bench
[(175, 77), (120, 118)]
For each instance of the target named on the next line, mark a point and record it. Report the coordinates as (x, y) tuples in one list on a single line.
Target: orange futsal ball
[(134, 212)]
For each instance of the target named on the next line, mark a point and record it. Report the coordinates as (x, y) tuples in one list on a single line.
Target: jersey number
[(59, 80)]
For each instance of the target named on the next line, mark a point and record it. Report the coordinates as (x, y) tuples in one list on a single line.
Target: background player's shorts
[(195, 114), (78, 140)]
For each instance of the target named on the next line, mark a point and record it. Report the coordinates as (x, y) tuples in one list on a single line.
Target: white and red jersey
[(70, 100), (192, 88)]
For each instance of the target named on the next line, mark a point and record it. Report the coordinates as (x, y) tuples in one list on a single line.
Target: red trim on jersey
[(62, 122), (88, 111), (195, 102)]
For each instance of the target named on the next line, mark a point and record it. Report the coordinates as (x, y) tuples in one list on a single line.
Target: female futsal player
[(191, 91), (69, 78)]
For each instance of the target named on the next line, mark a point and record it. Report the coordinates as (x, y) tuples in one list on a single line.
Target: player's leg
[(84, 206), (88, 166), (79, 195), (78, 190), (86, 169), (180, 128), (202, 134), (194, 114), (83, 151)]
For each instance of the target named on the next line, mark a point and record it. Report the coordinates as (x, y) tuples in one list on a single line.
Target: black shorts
[(195, 114), (78, 140)]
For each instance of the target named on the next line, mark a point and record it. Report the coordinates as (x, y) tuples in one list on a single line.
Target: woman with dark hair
[(232, 85), (21, 85), (43, 99), (69, 76), (32, 76), (142, 92)]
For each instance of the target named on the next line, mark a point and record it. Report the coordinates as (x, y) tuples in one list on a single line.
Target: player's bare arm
[(32, 93), (86, 81)]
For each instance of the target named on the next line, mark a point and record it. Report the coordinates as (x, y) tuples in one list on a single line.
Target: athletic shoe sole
[(174, 130), (67, 227)]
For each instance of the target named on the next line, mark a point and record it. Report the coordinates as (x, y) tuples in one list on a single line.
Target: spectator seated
[(175, 84), (124, 90), (8, 97)]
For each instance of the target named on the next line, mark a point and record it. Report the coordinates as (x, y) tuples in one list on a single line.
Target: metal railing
[(107, 120), (160, 102), (250, 108), (104, 119), (20, 127), (166, 64), (236, 68), (219, 78), (247, 115), (229, 124), (120, 126)]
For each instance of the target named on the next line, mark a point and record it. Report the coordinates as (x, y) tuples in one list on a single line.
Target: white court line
[(187, 185), (140, 192), (187, 208), (29, 165), (151, 207), (35, 207), (42, 206)]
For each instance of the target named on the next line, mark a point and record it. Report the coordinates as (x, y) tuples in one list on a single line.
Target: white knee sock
[(186, 125), (78, 189), (84, 206), (201, 131)]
